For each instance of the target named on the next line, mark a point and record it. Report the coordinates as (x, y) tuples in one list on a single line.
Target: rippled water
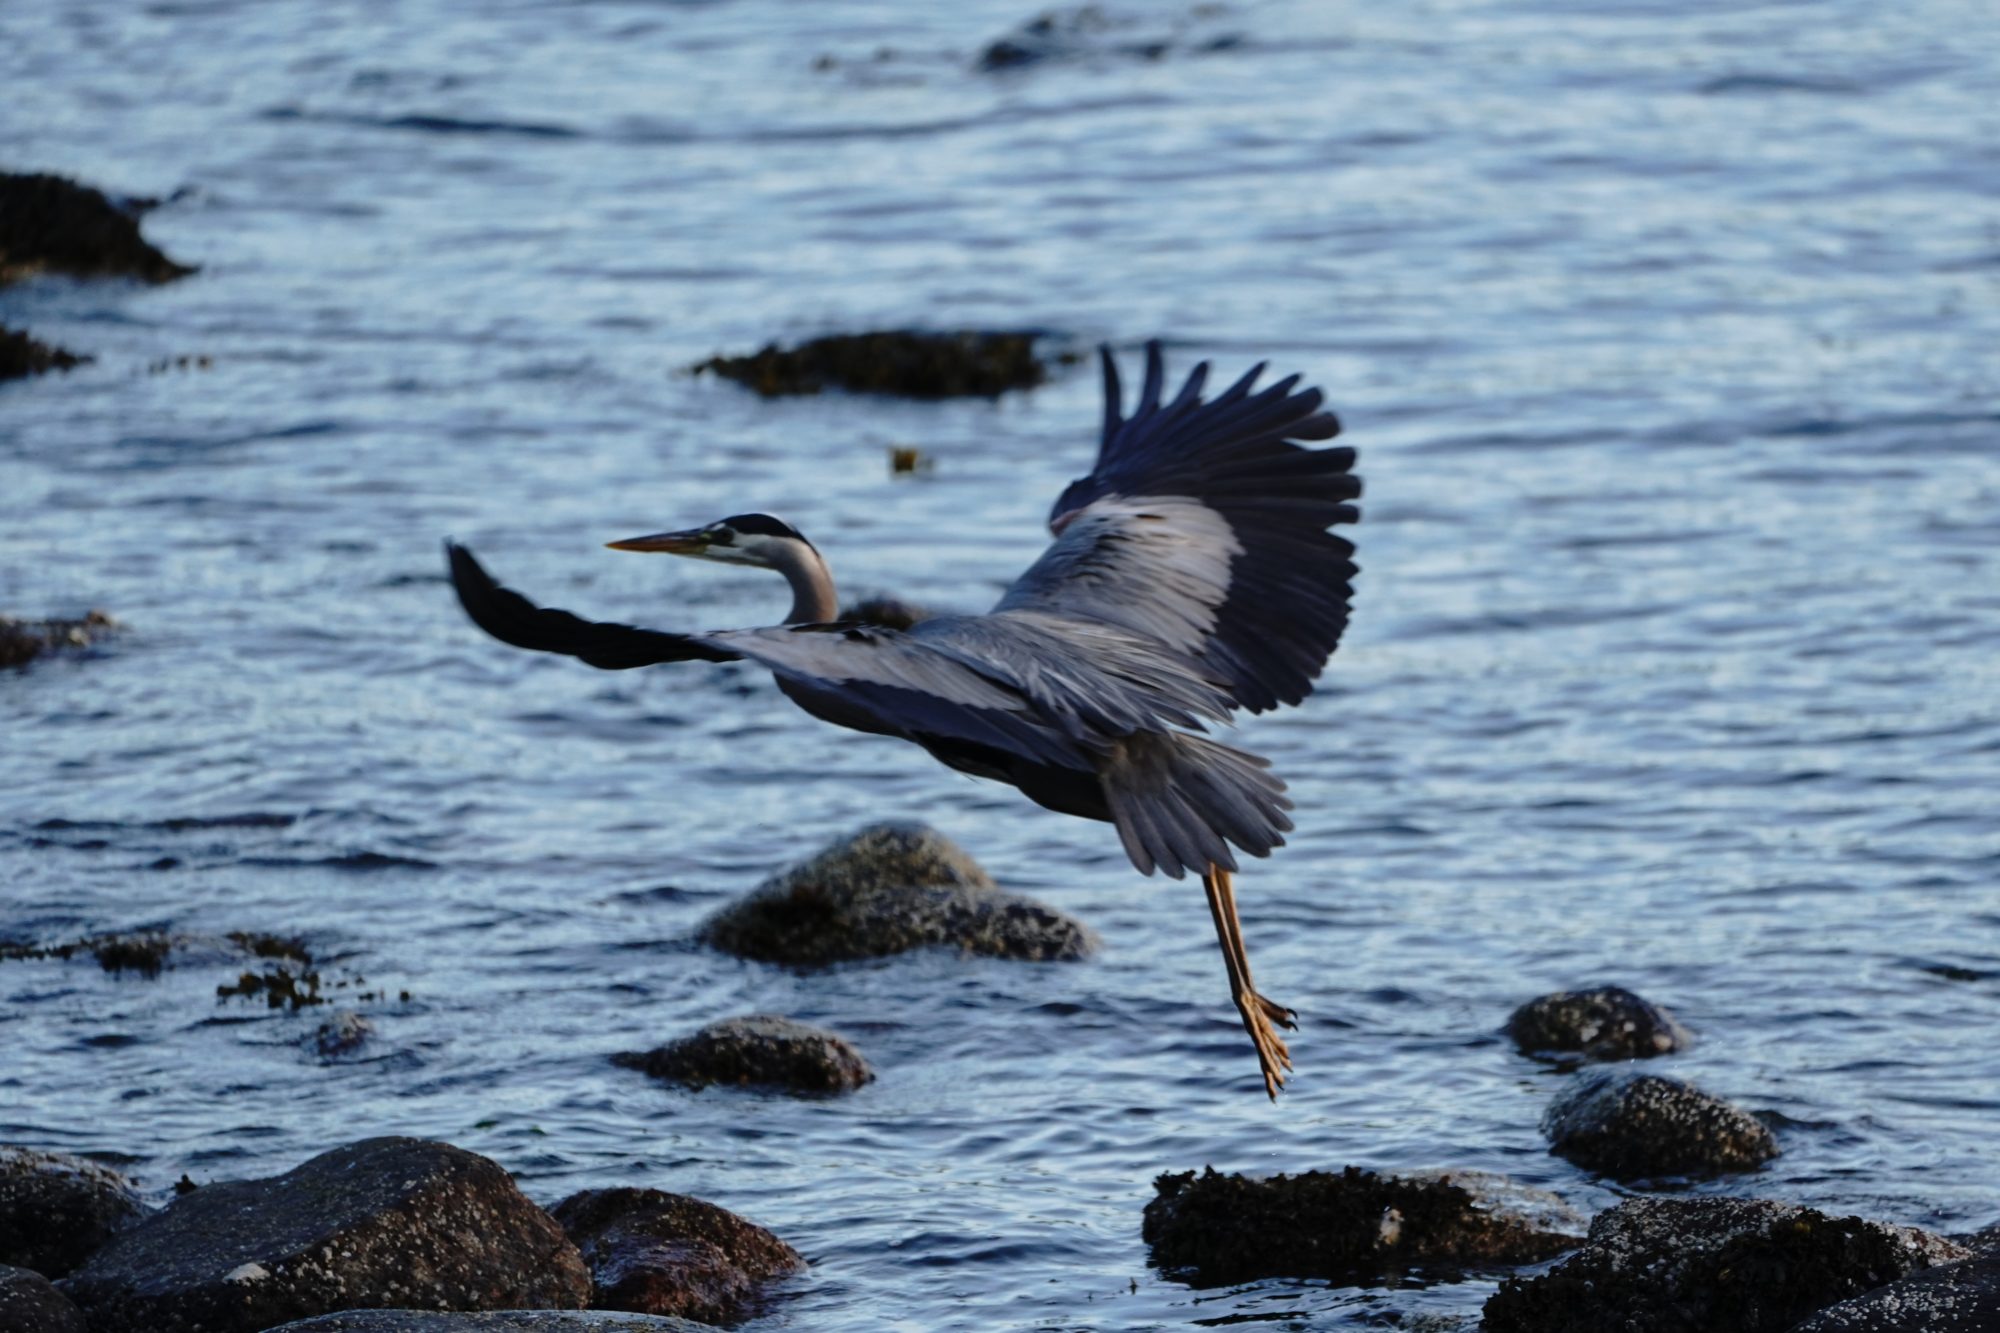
[(1667, 334)]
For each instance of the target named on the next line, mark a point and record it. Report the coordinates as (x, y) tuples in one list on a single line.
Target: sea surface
[(1669, 335)]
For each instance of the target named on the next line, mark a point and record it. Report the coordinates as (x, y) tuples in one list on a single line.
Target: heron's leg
[(1257, 1012)]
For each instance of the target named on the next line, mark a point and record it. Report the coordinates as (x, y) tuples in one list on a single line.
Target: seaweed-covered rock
[(757, 1050), (883, 890), (22, 641), (1962, 1297), (659, 1253), (1633, 1126), (1605, 1023), (57, 1210), (29, 1303), (498, 1321), (1710, 1266), (1215, 1229), (961, 364), (383, 1223), (22, 355), (49, 224)]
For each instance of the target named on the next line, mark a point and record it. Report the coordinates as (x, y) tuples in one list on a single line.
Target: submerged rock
[(498, 1321), (22, 355), (57, 1210), (387, 1222), (1091, 33), (757, 1050), (29, 1303), (50, 224), (342, 1034), (890, 612), (22, 641), (1605, 1023), (1633, 1126), (961, 364), (886, 889), (1215, 1229), (1961, 1297), (1711, 1266), (666, 1254)]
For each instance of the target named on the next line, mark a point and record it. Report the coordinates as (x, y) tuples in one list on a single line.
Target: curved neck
[(813, 598)]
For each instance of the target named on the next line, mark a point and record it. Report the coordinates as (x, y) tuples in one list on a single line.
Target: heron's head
[(745, 539)]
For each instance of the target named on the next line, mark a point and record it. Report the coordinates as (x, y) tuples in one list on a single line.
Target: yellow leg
[(1258, 1013)]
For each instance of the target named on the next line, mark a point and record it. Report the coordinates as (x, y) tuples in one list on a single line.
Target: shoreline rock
[(756, 1050), (494, 1321), (57, 1210), (1958, 1297), (1604, 1023), (22, 354), (30, 1303), (651, 1252), (1633, 1126), (51, 224), (966, 363)]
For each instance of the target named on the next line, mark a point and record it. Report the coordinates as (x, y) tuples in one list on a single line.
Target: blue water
[(1667, 335)]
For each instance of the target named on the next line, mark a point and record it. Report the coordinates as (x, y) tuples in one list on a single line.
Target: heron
[(1194, 573)]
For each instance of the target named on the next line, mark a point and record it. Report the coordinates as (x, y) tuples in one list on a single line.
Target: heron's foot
[(1274, 1058)]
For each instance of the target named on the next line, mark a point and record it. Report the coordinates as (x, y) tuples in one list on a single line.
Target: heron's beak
[(692, 542)]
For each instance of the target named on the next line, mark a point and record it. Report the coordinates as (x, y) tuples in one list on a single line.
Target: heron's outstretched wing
[(512, 618), (1204, 527)]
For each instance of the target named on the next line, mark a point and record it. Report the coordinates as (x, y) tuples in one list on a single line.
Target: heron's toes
[(1277, 1013)]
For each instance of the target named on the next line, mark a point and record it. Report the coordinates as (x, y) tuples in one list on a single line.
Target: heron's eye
[(719, 537)]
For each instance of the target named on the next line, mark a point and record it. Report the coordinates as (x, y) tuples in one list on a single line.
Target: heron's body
[(1192, 574)]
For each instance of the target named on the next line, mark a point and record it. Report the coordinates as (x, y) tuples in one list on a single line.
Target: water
[(1666, 334)]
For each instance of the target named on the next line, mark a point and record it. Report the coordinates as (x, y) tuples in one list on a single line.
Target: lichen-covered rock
[(49, 224), (1214, 1229), (29, 1303), (1633, 1126), (57, 1210), (22, 355), (657, 1253), (1710, 1266), (1962, 1297), (498, 1321), (756, 1050), (22, 641), (883, 890), (960, 364), (1605, 1023), (383, 1223)]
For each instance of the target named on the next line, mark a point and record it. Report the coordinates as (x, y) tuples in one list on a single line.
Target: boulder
[(1214, 1229), (383, 1223), (756, 1050), (57, 1210), (1962, 1297), (1633, 1126), (22, 641), (498, 1321), (958, 364), (49, 224), (22, 355), (886, 889), (666, 1254), (1711, 1265), (29, 1303), (1607, 1023)]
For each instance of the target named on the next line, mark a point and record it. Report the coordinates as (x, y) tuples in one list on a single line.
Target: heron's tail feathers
[(1179, 801)]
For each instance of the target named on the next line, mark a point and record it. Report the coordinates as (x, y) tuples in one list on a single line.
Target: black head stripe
[(761, 525)]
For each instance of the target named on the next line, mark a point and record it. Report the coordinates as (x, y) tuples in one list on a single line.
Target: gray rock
[(1607, 1023), (1710, 1265), (666, 1254), (757, 1050), (497, 1321), (1962, 1297), (1216, 1229), (383, 1223), (56, 1210), (29, 1303), (1633, 1126), (886, 889)]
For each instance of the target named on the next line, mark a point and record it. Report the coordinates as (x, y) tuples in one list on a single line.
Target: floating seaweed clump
[(22, 355), (962, 364), (22, 641), (280, 986)]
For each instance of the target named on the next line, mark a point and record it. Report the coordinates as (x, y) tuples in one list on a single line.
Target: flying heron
[(1192, 574)]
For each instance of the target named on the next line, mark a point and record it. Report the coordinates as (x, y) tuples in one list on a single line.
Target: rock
[(965, 363), (49, 224), (885, 889), (341, 1035), (1214, 1229), (22, 355), (1633, 1126), (57, 1210), (1089, 33), (891, 612), (1962, 1297), (387, 1222), (499, 1321), (1606, 1023), (757, 1050), (1710, 1265), (22, 641), (29, 1303), (666, 1254)]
